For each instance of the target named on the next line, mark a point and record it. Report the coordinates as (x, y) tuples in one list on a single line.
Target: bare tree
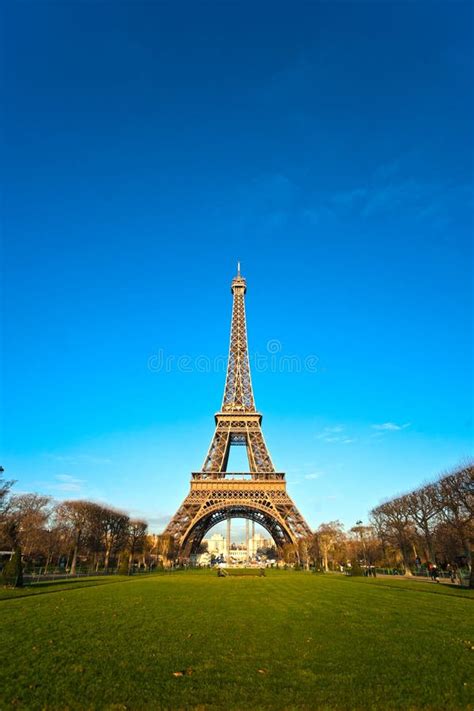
[(423, 507), (78, 517), (10, 533), (31, 512), (114, 533), (441, 514), (136, 539), (165, 547), (5, 487), (314, 551), (455, 493), (329, 534), (394, 518), (303, 551)]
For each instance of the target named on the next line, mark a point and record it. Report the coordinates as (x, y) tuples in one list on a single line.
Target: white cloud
[(327, 434), (314, 475), (334, 435), (390, 426)]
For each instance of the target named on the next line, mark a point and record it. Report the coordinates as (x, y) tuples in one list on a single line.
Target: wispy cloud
[(390, 426), (387, 193), (313, 475), (335, 435), (393, 186), (66, 483), (328, 434), (270, 201)]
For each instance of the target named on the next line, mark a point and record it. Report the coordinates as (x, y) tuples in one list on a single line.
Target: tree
[(268, 552), (290, 554), (114, 532), (440, 515), (80, 518), (394, 518), (303, 551), (5, 487), (423, 507), (314, 550), (329, 534), (136, 539), (363, 533), (10, 532), (12, 573), (455, 493), (166, 547), (31, 511), (56, 540)]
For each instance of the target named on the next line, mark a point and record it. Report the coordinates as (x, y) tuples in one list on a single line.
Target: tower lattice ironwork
[(216, 494)]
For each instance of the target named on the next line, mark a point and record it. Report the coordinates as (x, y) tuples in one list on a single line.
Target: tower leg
[(228, 541), (247, 539)]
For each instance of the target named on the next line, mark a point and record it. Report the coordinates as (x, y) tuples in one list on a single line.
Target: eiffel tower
[(258, 495)]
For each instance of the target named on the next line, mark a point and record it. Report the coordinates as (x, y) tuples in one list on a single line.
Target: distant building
[(258, 541), (217, 546)]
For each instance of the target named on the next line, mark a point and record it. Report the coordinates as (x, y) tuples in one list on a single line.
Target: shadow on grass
[(55, 586), (407, 585)]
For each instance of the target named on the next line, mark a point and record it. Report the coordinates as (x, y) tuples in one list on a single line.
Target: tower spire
[(238, 422), (238, 395)]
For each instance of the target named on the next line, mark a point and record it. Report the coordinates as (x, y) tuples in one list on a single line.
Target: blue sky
[(328, 146)]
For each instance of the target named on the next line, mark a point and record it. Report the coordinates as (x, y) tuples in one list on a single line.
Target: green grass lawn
[(291, 640)]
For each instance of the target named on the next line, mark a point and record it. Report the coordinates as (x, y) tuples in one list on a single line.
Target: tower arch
[(197, 530)]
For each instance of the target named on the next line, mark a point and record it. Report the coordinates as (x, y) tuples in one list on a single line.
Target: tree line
[(73, 536), (433, 524)]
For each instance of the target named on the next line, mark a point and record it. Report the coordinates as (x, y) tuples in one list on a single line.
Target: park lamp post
[(360, 524)]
